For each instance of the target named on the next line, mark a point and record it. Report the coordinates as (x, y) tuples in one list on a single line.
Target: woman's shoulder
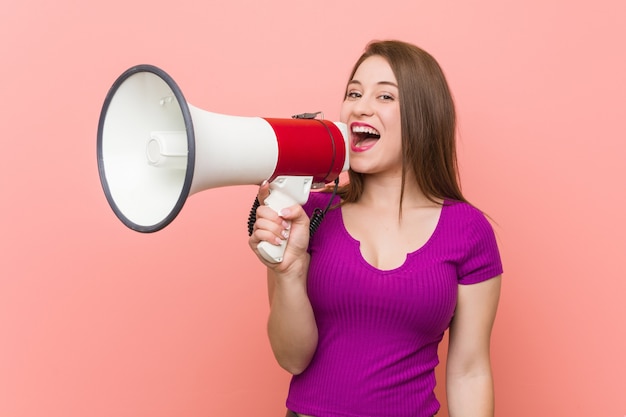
[(469, 231), (464, 213), (462, 208)]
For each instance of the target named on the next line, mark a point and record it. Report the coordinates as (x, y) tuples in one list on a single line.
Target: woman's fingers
[(269, 227), (264, 192)]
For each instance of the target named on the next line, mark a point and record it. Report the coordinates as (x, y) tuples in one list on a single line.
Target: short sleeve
[(481, 260)]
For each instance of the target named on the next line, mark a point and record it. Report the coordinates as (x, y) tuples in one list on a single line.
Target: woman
[(358, 310)]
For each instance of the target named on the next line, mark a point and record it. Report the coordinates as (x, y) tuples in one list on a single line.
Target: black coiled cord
[(316, 217), (252, 216)]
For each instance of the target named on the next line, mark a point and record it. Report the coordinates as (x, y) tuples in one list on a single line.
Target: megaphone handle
[(285, 191)]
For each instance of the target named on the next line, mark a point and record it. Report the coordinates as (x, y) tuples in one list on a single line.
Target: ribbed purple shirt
[(379, 330)]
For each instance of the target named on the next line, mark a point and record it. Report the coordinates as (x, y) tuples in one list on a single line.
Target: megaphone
[(155, 150)]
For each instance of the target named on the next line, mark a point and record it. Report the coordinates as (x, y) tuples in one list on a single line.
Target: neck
[(386, 192)]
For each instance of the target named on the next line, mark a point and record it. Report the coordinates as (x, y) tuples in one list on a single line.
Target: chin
[(360, 168)]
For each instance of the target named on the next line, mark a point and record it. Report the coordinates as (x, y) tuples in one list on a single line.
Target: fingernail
[(284, 212), (285, 233), (286, 225)]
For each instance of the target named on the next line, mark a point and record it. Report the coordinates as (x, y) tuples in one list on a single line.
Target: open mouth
[(364, 137)]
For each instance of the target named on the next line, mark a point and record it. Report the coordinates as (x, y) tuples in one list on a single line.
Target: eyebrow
[(378, 83)]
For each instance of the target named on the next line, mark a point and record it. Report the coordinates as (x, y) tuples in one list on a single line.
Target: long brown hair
[(428, 123)]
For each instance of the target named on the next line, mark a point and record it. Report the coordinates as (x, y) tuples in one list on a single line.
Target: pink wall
[(98, 320)]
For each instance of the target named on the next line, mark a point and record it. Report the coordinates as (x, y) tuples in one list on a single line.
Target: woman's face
[(371, 110)]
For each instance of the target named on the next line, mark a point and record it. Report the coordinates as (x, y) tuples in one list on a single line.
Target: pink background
[(97, 320)]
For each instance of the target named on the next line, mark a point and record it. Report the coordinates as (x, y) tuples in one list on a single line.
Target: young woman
[(358, 310)]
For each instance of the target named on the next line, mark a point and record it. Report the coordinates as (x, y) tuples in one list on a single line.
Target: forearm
[(470, 395), (291, 325)]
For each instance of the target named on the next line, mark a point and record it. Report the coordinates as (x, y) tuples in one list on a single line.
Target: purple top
[(379, 330)]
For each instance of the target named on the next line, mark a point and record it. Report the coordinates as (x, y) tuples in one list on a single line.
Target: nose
[(363, 107)]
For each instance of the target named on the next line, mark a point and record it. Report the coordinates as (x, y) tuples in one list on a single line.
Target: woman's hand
[(291, 225)]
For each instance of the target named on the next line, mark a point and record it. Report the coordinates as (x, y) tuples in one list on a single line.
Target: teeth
[(365, 129)]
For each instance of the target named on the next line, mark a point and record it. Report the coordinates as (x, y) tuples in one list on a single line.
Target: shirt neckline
[(357, 243)]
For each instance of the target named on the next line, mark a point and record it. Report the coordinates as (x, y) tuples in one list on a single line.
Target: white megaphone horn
[(155, 150)]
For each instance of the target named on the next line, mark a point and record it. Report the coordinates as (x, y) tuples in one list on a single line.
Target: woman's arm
[(469, 382), (291, 326)]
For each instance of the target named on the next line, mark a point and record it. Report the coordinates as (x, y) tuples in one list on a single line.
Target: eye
[(352, 95), (386, 97)]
